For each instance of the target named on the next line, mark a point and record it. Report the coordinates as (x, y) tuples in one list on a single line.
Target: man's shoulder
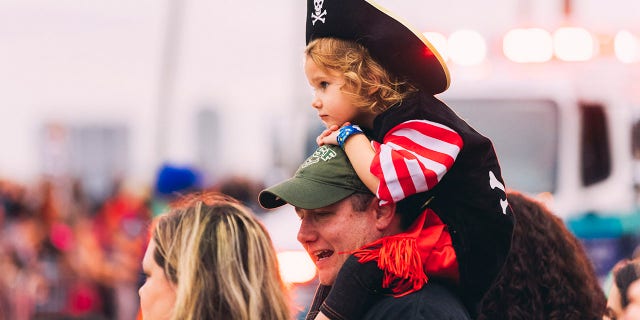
[(434, 301)]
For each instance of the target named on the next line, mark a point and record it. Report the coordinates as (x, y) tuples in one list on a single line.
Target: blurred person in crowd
[(339, 216), (6, 265), (632, 311), (243, 189), (209, 258), (172, 181), (22, 241), (624, 274), (111, 246), (547, 274)]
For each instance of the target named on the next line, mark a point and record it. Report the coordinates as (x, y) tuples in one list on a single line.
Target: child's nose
[(316, 103)]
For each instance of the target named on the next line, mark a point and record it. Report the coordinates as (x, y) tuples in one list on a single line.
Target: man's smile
[(320, 255)]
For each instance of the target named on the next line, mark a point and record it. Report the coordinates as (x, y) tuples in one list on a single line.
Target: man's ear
[(384, 215)]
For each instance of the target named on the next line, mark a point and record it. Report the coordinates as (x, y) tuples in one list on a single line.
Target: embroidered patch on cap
[(323, 153)]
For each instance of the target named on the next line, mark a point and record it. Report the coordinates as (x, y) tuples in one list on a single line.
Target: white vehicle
[(572, 153)]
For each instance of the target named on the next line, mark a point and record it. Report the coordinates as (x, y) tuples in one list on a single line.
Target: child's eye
[(324, 84)]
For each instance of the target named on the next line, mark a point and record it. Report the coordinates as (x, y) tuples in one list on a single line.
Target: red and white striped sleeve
[(413, 157)]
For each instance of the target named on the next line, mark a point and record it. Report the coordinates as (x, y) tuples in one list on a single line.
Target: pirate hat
[(394, 44)]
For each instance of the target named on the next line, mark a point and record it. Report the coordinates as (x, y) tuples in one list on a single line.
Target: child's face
[(334, 106)]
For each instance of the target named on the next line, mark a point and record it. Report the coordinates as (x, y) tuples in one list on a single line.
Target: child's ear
[(375, 82), (375, 85)]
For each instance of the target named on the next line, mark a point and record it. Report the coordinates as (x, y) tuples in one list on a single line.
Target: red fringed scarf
[(407, 258)]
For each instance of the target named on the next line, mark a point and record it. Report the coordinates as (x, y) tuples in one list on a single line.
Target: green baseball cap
[(325, 178)]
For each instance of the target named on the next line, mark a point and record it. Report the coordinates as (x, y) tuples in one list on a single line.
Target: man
[(632, 311), (339, 215)]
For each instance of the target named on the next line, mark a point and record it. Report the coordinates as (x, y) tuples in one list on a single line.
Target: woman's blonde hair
[(371, 86), (221, 260)]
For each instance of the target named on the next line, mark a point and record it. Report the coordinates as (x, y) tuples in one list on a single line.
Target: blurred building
[(115, 89)]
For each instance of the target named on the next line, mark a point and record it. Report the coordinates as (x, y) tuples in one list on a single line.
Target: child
[(375, 78)]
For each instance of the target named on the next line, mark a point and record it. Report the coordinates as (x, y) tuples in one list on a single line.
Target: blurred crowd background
[(64, 255)]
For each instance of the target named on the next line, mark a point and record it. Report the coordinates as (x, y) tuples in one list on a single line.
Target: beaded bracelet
[(345, 132)]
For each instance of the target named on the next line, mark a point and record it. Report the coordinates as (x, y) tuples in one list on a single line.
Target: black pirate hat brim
[(396, 46)]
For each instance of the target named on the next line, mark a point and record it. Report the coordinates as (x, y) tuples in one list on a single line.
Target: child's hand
[(328, 136)]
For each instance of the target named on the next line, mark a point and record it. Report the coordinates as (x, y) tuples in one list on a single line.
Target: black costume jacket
[(470, 198)]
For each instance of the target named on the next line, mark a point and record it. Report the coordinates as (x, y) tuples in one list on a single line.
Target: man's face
[(330, 233)]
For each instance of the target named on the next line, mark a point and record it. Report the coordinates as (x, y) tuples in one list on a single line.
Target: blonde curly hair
[(371, 86)]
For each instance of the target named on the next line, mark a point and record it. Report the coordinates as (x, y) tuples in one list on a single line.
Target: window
[(95, 155), (524, 133), (208, 140), (594, 139)]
